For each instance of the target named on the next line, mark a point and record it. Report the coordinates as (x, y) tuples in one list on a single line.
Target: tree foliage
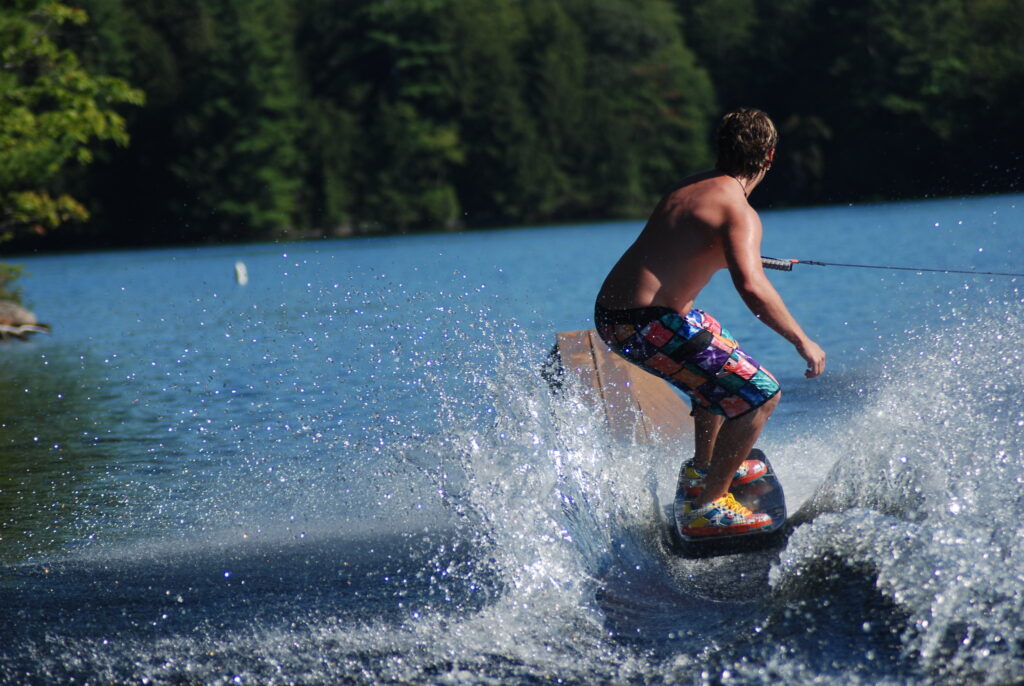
[(52, 111), (393, 116), (270, 119), (879, 99)]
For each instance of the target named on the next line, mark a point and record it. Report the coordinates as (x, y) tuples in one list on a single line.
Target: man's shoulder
[(710, 201)]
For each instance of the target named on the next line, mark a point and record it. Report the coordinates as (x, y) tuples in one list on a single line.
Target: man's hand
[(815, 357)]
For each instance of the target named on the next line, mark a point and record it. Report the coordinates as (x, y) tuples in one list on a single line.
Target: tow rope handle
[(781, 265)]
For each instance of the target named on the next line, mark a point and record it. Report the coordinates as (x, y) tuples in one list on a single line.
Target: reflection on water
[(63, 440)]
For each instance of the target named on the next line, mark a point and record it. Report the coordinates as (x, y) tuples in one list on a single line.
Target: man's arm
[(743, 256)]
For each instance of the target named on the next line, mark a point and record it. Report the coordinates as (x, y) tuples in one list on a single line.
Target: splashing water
[(402, 499), (496, 576), (926, 497)]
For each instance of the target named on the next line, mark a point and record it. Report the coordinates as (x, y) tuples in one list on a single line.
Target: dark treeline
[(269, 119)]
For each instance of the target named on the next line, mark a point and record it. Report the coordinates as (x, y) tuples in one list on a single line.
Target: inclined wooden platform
[(636, 405)]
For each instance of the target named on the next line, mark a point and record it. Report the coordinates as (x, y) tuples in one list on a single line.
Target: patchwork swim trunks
[(692, 352)]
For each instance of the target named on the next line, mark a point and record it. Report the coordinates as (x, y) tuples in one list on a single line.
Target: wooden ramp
[(636, 405)]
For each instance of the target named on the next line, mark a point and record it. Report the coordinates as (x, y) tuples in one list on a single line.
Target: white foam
[(926, 495)]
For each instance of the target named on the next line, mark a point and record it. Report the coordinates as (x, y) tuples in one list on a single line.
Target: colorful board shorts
[(693, 353)]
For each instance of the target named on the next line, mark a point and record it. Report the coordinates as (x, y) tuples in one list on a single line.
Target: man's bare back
[(681, 247)]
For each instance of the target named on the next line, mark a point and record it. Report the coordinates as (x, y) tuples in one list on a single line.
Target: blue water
[(350, 469)]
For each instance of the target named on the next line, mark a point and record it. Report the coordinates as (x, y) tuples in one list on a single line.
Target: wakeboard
[(764, 495)]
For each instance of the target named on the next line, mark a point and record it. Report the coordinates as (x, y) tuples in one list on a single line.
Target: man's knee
[(759, 414), (770, 404)]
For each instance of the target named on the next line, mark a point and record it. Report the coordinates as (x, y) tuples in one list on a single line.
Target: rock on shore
[(17, 322)]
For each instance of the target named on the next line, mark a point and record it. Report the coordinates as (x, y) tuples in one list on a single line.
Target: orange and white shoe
[(722, 517), (693, 478)]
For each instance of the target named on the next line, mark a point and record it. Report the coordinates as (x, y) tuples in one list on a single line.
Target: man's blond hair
[(746, 138)]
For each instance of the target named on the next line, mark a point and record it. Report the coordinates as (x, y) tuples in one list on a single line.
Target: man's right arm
[(742, 242)]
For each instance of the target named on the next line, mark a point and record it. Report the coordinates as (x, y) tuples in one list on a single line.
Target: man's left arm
[(743, 257)]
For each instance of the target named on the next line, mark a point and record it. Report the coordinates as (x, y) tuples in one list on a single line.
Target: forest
[(137, 123)]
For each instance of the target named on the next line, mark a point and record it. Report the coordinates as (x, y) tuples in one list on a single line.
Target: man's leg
[(735, 440), (705, 432)]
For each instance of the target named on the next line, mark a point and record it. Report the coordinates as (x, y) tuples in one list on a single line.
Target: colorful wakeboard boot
[(693, 478), (722, 517)]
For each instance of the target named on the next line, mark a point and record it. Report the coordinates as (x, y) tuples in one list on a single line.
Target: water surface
[(350, 469)]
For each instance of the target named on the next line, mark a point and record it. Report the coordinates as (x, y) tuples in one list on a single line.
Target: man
[(645, 312)]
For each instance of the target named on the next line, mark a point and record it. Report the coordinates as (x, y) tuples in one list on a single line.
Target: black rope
[(787, 266)]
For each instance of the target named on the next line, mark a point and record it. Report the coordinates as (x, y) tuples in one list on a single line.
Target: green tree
[(239, 167), (574, 109), (52, 112), (382, 139), (326, 36), (875, 100), (136, 196), (649, 104), (502, 177), (989, 139), (407, 111), (216, 153), (554, 62), (894, 70), (722, 32)]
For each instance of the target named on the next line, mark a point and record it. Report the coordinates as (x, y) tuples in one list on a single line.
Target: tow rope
[(787, 266)]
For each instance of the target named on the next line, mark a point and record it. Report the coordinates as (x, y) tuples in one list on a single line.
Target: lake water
[(350, 470)]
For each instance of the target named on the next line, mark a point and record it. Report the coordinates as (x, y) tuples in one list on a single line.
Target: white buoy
[(241, 273)]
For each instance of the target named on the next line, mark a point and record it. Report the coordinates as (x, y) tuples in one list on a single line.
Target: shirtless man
[(645, 312)]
